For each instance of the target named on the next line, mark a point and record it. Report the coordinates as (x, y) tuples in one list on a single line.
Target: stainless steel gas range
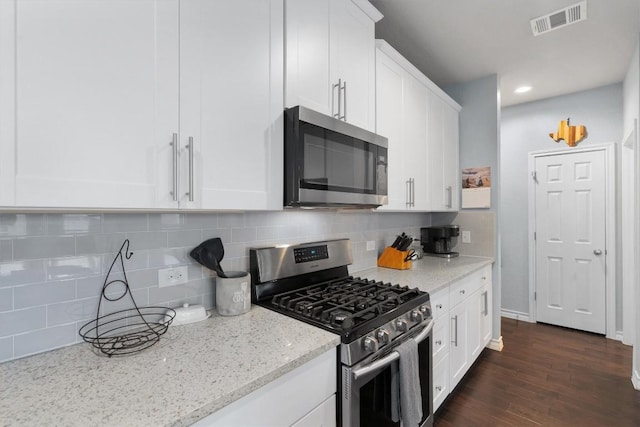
[(375, 320)]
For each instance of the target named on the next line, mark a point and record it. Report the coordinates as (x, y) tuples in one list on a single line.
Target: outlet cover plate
[(172, 276), (371, 245), (466, 236)]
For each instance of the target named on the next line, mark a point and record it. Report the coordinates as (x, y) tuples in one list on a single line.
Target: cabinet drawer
[(440, 339), (440, 382), (440, 302), (466, 286), (324, 415)]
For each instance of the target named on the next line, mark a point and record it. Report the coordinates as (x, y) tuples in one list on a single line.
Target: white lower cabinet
[(304, 397), (462, 329)]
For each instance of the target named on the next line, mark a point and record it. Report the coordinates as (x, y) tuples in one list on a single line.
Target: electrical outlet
[(466, 236), (173, 276), (371, 245)]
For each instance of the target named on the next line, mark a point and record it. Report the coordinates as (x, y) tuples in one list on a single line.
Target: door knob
[(597, 252)]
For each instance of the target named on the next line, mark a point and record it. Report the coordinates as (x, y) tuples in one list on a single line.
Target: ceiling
[(457, 41)]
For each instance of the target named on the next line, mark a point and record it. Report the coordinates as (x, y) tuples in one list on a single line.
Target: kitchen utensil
[(233, 293), (210, 253), (396, 242), (411, 255), (189, 314), (406, 242)]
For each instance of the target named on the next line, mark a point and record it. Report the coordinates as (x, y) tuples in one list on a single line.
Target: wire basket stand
[(126, 331)]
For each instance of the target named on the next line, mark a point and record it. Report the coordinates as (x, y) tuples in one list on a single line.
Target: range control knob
[(401, 325), (425, 309), (370, 344), (415, 316), (383, 336)]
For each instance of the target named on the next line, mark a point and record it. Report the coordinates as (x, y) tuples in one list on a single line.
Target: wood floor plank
[(546, 376)]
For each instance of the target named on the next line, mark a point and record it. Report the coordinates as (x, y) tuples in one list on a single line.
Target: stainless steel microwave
[(332, 163)]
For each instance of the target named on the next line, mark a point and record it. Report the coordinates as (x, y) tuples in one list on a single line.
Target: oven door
[(366, 387)]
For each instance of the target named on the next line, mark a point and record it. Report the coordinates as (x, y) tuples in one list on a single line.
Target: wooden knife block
[(393, 258)]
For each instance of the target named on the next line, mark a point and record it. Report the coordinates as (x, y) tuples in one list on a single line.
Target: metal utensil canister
[(233, 293)]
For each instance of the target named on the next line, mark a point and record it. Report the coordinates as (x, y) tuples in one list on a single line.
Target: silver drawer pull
[(439, 388), (438, 306)]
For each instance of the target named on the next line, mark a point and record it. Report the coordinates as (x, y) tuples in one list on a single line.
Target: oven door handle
[(394, 355)]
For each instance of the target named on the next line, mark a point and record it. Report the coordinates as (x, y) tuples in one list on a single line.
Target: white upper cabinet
[(421, 123), (231, 104), (330, 58), (97, 91), (443, 154), (90, 89)]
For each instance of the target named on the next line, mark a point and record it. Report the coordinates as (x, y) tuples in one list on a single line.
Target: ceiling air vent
[(560, 18)]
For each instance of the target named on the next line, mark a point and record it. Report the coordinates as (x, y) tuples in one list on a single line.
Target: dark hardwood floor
[(546, 376)]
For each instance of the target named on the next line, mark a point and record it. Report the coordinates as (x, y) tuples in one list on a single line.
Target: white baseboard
[(635, 379), (620, 337), (517, 315), (496, 344)]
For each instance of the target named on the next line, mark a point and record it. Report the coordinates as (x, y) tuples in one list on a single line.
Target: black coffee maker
[(438, 241)]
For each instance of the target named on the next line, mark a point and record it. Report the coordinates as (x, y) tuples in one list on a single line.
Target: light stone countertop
[(429, 273), (192, 372)]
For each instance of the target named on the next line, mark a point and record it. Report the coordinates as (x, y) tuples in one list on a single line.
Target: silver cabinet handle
[(339, 87), (449, 197), (174, 144), (486, 302), (439, 342), (597, 252), (413, 192), (344, 101), (438, 306), (439, 388), (190, 147), (408, 193), (462, 291), (455, 341)]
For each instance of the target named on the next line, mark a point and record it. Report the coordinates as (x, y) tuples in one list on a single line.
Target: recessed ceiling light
[(523, 89)]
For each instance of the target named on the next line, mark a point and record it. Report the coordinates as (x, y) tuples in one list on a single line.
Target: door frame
[(609, 150)]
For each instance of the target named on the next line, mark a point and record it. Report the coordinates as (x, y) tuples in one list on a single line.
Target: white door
[(416, 101), (95, 103), (570, 240)]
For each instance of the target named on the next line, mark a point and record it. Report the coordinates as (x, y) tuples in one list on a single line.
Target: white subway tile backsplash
[(57, 224), (44, 293), (158, 240), (18, 321), (184, 238), (22, 272), (6, 349), (73, 267), (72, 311), (6, 250), (14, 225), (44, 339), (118, 223), (6, 299), (43, 247)]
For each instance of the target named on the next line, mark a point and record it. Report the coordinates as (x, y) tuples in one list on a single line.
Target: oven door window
[(336, 162)]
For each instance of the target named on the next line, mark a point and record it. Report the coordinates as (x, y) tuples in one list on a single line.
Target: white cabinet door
[(330, 60), (486, 323), (458, 351), (440, 382), (416, 98), (96, 103), (231, 77), (307, 71), (352, 48), (389, 111), (474, 330), (443, 155)]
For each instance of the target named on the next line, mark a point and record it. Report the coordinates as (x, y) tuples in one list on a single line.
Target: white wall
[(526, 128), (631, 89)]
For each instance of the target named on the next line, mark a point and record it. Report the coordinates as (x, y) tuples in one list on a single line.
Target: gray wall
[(479, 146), (53, 266), (526, 128)]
